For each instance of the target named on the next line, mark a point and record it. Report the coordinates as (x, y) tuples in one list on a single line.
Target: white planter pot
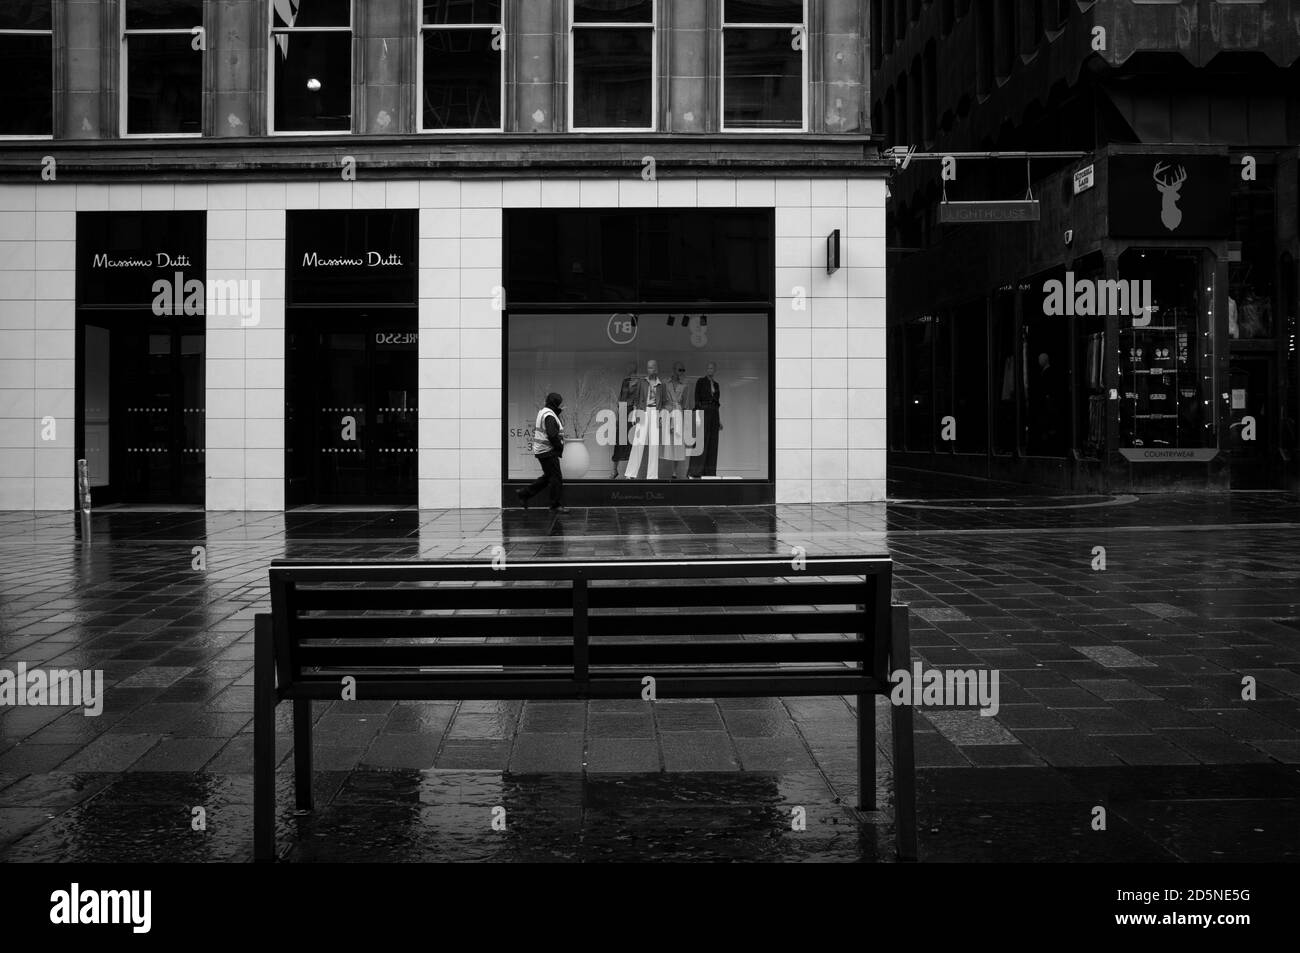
[(576, 460)]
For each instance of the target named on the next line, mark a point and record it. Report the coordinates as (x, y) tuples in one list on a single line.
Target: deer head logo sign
[(1171, 216)]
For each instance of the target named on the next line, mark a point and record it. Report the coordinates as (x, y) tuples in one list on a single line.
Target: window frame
[(124, 91), (272, 30), (803, 70), (654, 69), (36, 137), (420, 27)]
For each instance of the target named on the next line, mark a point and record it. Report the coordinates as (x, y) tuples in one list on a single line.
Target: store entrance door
[(1251, 442), (352, 420), (142, 426)]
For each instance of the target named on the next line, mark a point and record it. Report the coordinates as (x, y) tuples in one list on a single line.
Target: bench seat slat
[(471, 685), (372, 598), (555, 595), (308, 572), (432, 626), (754, 593), (625, 653), (647, 624)]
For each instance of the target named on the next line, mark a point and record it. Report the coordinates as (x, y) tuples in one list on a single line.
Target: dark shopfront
[(352, 341), (600, 299), (140, 336), (1079, 393)]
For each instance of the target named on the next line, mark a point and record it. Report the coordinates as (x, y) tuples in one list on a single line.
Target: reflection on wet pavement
[(1120, 688)]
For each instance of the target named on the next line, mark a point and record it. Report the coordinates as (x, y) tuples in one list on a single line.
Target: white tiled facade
[(830, 329)]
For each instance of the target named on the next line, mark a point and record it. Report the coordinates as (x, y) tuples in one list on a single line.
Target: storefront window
[(1290, 324), (1089, 377), (141, 306), (1045, 370), (1253, 255), (1004, 372), (164, 68), (763, 43), (649, 395), (918, 355), (311, 63), (462, 46), (26, 68), (351, 356), (613, 64), (1166, 365), (970, 370)]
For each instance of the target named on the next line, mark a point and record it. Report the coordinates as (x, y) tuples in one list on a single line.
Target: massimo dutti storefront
[(270, 345), (351, 361), (140, 340)]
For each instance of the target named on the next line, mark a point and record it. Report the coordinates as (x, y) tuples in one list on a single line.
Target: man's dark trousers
[(551, 476)]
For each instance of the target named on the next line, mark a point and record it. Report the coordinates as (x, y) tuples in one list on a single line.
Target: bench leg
[(264, 703), (302, 752), (900, 655), (867, 752)]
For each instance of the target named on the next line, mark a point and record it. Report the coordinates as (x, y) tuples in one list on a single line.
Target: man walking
[(548, 447)]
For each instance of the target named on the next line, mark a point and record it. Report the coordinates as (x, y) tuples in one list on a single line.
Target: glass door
[(143, 410), (352, 414), (1250, 442)]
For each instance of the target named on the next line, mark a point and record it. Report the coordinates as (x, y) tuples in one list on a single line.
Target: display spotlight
[(671, 320), (635, 318), (704, 320), (686, 320)]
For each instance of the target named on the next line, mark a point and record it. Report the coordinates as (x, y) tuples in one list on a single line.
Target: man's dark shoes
[(559, 509)]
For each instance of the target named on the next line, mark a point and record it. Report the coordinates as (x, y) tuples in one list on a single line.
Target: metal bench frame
[(302, 657)]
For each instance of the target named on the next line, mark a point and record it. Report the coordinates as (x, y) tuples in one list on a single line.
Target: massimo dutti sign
[(345, 257), (121, 256), (1169, 196)]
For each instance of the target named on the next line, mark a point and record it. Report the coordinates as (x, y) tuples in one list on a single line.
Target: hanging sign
[(984, 213)]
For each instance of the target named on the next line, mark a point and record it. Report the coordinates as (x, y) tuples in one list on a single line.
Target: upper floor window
[(27, 68), (162, 67), (462, 45), (612, 65), (764, 81), (311, 65)]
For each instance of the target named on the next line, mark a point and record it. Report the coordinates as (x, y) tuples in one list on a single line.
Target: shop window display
[(1166, 364), (647, 396)]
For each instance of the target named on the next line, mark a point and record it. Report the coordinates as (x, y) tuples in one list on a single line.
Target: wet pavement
[(1120, 688)]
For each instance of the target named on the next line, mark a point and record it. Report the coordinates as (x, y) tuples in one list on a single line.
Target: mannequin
[(648, 397), (708, 400), (674, 451), (625, 405)]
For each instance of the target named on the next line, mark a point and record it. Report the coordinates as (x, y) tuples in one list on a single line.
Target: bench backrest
[(702, 628)]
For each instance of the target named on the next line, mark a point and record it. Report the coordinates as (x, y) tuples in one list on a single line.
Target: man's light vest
[(541, 443)]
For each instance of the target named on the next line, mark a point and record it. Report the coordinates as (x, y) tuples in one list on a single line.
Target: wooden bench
[(701, 628)]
